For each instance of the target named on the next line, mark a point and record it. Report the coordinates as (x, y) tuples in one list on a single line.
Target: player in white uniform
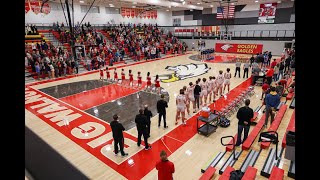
[(219, 82), (181, 106), (212, 88), (190, 97), (187, 99), (227, 77), (204, 91)]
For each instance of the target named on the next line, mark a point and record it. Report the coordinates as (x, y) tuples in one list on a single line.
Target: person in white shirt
[(204, 91), (227, 77), (219, 82), (212, 88), (190, 98), (181, 106)]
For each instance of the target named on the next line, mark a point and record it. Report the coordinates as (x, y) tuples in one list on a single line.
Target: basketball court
[(72, 115)]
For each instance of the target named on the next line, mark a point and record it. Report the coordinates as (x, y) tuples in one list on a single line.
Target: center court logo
[(182, 72), (226, 47)]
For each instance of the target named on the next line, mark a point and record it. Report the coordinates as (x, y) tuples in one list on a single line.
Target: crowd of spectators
[(47, 60), (30, 29)]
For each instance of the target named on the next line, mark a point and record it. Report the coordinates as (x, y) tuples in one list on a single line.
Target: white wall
[(164, 18), (185, 22), (275, 47)]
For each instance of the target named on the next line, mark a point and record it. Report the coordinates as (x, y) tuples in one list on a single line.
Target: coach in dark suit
[(148, 114), (244, 115), (117, 133), (161, 107), (142, 127)]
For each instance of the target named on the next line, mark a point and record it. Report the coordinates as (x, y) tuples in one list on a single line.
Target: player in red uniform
[(148, 81), (115, 75), (101, 73), (130, 78), (157, 84), (139, 79), (123, 76), (108, 74)]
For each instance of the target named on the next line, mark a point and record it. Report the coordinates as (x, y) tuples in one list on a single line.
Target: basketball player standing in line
[(115, 75), (108, 74), (219, 82), (123, 76), (227, 77), (148, 81), (181, 106), (190, 99), (157, 84), (204, 91), (139, 79), (187, 99)]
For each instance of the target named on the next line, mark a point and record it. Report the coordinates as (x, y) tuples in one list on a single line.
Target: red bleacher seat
[(274, 126), (230, 147), (252, 136), (208, 174), (255, 115), (276, 173), (289, 96), (226, 174), (250, 173)]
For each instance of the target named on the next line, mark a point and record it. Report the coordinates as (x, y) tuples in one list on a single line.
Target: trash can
[(290, 146)]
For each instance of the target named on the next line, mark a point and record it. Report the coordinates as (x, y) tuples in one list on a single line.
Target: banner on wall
[(239, 48), (35, 6), (27, 6), (138, 12), (267, 13)]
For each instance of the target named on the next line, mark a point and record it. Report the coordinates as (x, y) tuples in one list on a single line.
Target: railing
[(192, 31), (249, 33)]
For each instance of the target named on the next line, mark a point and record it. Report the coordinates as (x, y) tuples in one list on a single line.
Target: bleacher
[(271, 168)]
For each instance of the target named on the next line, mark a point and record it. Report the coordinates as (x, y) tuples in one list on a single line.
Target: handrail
[(233, 144), (268, 137)]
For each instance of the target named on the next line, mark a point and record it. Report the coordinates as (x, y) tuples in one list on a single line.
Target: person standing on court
[(117, 133), (161, 108), (272, 101), (196, 92), (148, 113), (165, 167), (142, 128), (244, 115), (238, 65), (246, 69)]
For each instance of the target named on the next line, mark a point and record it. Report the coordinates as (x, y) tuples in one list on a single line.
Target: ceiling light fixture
[(81, 1), (183, 2), (232, 3), (279, 2), (191, 9), (198, 3), (211, 5), (256, 1), (167, 9), (133, 6)]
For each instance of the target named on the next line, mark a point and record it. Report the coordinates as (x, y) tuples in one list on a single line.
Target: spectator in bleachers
[(272, 101), (276, 72)]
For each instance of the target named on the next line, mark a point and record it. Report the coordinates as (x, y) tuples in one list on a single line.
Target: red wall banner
[(138, 12), (239, 48), (35, 6)]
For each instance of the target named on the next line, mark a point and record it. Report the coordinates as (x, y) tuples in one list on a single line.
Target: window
[(85, 8), (110, 10), (57, 6)]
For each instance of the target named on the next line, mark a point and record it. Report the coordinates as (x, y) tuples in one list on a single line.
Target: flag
[(226, 11)]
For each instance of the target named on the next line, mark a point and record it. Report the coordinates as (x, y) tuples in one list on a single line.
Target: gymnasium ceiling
[(164, 4)]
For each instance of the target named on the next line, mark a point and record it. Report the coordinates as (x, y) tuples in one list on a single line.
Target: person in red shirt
[(269, 75), (165, 167), (130, 78), (274, 63), (283, 82), (139, 79), (265, 87)]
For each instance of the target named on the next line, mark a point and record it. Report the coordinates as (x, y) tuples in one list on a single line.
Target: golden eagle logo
[(182, 72)]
